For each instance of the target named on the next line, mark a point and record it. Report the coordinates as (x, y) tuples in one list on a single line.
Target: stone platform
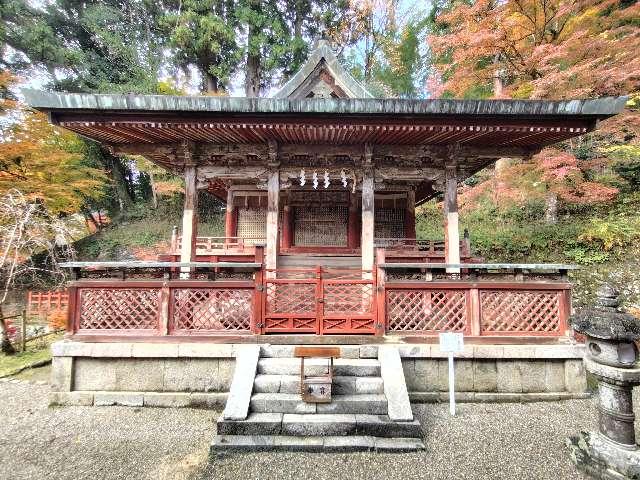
[(370, 408)]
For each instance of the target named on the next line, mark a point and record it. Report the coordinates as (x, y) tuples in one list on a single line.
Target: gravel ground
[(496, 441)]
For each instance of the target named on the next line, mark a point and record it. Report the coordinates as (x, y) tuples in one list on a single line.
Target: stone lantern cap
[(605, 321)]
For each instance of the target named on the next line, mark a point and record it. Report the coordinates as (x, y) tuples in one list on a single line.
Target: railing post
[(380, 293), (72, 310), (474, 312), (260, 292), (319, 300), (174, 240), (165, 307)]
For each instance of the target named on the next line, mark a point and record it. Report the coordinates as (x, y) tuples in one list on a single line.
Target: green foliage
[(143, 228), (613, 231), (586, 236)]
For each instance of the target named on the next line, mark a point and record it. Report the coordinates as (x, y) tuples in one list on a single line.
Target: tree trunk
[(120, 180), (5, 343), (211, 84), (551, 208), (154, 195), (252, 72), (252, 79)]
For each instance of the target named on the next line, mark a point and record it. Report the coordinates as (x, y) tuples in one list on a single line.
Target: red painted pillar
[(230, 220), (353, 226), (410, 216), (287, 228)]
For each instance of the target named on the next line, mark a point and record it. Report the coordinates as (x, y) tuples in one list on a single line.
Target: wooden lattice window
[(389, 222), (252, 224), (321, 226)]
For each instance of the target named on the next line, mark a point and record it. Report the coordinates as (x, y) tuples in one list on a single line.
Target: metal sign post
[(451, 343)]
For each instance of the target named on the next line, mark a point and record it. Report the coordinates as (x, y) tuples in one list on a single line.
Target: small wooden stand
[(316, 389)]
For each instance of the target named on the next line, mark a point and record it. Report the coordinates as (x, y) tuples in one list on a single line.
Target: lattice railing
[(536, 311), (208, 309), (163, 308), (427, 311), (118, 309), (482, 308)]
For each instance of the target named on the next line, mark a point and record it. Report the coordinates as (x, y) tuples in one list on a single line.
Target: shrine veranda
[(321, 184)]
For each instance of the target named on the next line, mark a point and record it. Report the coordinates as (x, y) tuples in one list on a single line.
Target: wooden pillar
[(368, 204), (189, 216), (230, 219), (410, 216), (287, 227), (451, 227), (352, 225), (273, 202)]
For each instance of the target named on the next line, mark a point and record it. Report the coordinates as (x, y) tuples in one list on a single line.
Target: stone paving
[(496, 441)]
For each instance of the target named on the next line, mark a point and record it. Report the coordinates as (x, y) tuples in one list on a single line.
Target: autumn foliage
[(43, 162), (551, 171), (541, 48)]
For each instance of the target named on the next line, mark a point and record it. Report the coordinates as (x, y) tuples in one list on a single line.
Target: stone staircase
[(356, 419)]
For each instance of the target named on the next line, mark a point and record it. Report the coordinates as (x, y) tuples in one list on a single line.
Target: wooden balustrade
[(207, 245), (480, 300), (148, 299)]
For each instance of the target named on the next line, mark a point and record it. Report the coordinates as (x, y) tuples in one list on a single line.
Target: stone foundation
[(199, 374)]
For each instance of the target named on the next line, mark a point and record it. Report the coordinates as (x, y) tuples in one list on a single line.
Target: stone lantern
[(612, 358)]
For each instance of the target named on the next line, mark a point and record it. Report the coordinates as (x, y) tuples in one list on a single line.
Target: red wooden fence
[(42, 303), (477, 308), (320, 301), (156, 307)]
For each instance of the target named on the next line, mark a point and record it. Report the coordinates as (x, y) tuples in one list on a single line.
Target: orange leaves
[(563, 49), (44, 162), (551, 171)]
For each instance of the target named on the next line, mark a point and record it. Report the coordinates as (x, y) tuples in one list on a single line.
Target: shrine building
[(321, 184)]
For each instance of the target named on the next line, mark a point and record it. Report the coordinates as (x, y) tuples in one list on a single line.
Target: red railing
[(156, 307), (478, 308), (320, 301), (408, 299), (476, 299), (42, 304)]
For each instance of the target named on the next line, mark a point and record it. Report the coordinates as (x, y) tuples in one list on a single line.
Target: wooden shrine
[(321, 184)]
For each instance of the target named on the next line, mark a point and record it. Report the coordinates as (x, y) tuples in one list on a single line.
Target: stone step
[(358, 367), (257, 443), (346, 351), (374, 404), (342, 385), (320, 424)]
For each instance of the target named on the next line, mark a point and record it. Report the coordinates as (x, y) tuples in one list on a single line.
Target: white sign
[(451, 342)]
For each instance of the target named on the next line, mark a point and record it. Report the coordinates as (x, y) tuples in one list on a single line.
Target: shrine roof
[(599, 108)]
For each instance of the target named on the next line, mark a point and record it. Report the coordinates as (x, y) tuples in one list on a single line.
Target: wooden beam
[(189, 217), (273, 207), (287, 230), (451, 221), (352, 223), (368, 205), (410, 215), (231, 219)]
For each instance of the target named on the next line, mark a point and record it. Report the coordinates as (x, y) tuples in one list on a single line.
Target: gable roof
[(322, 59)]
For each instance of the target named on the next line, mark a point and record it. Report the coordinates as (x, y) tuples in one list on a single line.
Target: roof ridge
[(323, 51)]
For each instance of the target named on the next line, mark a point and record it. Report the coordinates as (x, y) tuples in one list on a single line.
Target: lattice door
[(322, 302), (321, 226), (252, 224), (389, 222)]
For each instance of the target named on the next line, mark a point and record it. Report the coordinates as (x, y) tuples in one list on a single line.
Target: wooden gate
[(319, 301)]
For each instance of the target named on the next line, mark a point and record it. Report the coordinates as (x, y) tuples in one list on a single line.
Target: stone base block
[(138, 399), (127, 399), (72, 399), (596, 456)]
